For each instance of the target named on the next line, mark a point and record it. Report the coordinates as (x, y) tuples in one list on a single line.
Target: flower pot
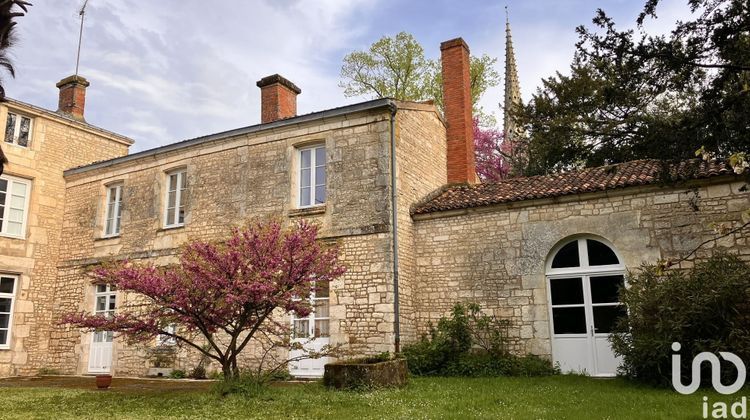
[(103, 381)]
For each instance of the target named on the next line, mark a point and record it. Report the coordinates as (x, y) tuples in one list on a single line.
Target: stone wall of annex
[(421, 169), (57, 143), (231, 181), (496, 256)]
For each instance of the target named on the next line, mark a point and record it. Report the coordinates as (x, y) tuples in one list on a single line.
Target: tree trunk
[(229, 368), (229, 373)]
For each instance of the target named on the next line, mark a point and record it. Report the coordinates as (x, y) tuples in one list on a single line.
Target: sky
[(169, 70)]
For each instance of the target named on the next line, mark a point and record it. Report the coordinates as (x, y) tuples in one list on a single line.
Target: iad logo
[(719, 409), (715, 372)]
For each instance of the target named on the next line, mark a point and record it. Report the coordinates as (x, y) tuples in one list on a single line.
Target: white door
[(584, 281), (312, 333), (100, 352)]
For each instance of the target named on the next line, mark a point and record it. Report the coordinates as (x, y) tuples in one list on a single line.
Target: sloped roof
[(313, 116), (628, 174), (67, 118)]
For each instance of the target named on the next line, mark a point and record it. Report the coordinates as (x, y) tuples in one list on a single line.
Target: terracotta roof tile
[(628, 174)]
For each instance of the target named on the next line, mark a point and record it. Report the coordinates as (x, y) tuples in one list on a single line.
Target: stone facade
[(253, 176), (496, 256), (56, 143)]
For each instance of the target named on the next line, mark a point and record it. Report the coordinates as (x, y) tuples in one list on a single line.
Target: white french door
[(100, 352), (312, 333), (584, 277), (583, 312)]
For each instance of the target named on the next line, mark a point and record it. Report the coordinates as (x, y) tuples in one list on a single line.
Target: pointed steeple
[(512, 88)]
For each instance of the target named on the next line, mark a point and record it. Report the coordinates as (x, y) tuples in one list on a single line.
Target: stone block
[(366, 373)]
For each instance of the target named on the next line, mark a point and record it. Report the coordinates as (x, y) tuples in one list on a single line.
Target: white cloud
[(161, 72), (165, 71)]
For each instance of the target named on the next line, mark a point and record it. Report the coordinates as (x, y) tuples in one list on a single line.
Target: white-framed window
[(113, 213), (317, 323), (174, 210), (7, 297), (18, 129), (585, 276), (167, 340), (312, 176), (14, 204), (105, 304)]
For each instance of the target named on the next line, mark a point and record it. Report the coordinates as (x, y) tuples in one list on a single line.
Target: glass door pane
[(606, 308), (568, 305), (606, 289), (606, 316), (301, 328), (569, 320), (321, 317), (567, 291)]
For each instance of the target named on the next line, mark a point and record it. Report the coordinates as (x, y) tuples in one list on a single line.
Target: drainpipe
[(394, 233)]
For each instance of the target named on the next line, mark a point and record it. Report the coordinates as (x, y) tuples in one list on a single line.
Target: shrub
[(470, 343), (198, 372), (177, 374), (280, 375), (477, 364), (706, 308)]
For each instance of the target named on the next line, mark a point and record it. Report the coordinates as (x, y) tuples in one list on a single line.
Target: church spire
[(512, 89)]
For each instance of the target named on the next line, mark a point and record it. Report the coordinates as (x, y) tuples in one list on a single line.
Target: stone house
[(39, 145), (392, 183)]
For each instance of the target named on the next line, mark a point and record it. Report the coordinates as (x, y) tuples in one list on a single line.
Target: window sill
[(17, 145), (169, 228), (106, 238), (5, 235), (307, 211)]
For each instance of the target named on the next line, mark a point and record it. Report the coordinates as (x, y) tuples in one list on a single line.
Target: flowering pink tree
[(492, 153), (221, 295)]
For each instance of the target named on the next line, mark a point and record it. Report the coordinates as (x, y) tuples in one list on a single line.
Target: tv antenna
[(81, 13)]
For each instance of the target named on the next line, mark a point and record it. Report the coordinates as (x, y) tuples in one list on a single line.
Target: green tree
[(8, 13), (630, 95), (396, 67)]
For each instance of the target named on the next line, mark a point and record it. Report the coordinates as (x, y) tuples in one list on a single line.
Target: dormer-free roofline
[(385, 103)]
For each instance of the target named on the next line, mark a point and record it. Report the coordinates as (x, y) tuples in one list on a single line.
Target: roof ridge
[(67, 118)]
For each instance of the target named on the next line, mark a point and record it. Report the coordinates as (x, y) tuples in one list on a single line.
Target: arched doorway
[(584, 276)]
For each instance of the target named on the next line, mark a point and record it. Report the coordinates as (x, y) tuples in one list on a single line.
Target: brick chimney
[(457, 107), (72, 96), (278, 98)]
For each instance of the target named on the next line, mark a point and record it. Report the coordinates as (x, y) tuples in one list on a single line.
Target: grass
[(558, 397)]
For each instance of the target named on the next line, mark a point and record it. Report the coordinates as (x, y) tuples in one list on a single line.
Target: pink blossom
[(229, 287), (491, 153)]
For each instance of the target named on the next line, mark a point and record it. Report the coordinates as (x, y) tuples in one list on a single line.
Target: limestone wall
[(496, 256), (232, 181), (56, 144), (421, 169)]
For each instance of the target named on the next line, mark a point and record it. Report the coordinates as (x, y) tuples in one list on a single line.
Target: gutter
[(394, 224)]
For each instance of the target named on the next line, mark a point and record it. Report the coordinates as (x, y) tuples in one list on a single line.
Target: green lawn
[(559, 397)]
